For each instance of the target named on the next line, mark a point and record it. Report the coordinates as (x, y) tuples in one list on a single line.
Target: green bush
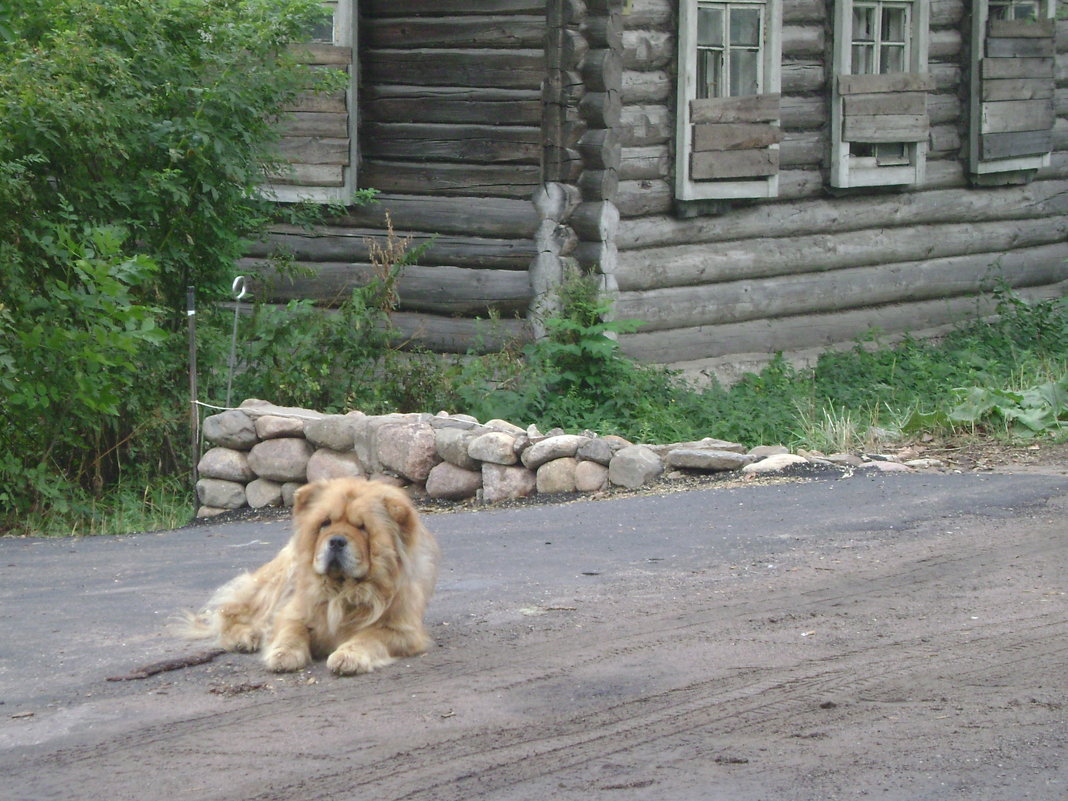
[(133, 137)]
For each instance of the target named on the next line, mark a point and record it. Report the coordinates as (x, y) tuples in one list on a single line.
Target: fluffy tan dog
[(351, 584)]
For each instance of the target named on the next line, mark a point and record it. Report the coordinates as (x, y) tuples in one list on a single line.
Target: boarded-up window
[(319, 135), (728, 134), (879, 120), (1012, 86)]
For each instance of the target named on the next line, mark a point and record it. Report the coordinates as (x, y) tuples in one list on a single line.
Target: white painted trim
[(771, 61)]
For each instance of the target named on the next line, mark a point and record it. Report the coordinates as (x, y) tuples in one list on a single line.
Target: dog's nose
[(337, 543)]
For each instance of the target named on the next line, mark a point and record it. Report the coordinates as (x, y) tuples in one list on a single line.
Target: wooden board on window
[(1016, 68), (757, 108), (1021, 29), (1019, 48), (1017, 89), (1012, 145), (1016, 115), (890, 82), (735, 136), (885, 128), (716, 164), (913, 103)]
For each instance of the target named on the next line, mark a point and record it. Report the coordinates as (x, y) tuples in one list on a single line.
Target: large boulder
[(634, 466), (283, 459)]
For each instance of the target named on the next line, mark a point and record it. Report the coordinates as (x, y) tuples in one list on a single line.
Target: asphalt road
[(903, 636)]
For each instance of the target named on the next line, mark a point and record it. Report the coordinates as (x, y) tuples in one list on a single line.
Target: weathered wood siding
[(809, 269), (450, 115)]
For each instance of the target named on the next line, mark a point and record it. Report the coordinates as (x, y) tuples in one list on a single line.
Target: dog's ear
[(400, 509), (306, 495)]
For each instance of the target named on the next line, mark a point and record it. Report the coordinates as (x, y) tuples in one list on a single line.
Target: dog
[(351, 585)]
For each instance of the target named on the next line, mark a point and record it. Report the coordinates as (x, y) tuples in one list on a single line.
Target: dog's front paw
[(348, 660), (286, 660), (242, 639)]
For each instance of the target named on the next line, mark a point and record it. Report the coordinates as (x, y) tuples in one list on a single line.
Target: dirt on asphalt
[(927, 664)]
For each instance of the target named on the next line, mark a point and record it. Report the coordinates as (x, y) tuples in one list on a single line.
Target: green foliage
[(133, 137)]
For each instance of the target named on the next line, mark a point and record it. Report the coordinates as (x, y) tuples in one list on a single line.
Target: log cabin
[(745, 177)]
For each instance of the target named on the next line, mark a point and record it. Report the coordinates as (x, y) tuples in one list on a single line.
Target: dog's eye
[(324, 524)]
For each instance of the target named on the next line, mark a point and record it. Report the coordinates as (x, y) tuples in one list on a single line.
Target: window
[(879, 96), (727, 137), (1011, 89), (319, 136)]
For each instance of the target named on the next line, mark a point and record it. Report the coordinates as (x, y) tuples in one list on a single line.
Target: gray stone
[(326, 463), (505, 426), (230, 429), (289, 489), (227, 464), (283, 459), (449, 482), (443, 420), (634, 466), (555, 447), (706, 459), (365, 435), (334, 432), (497, 447), (706, 444), (205, 512), (221, 494), (885, 467), (763, 451), (503, 483), (598, 450), (271, 426), (263, 492), (775, 463), (452, 444), (557, 475), (591, 477), (845, 459), (407, 449)]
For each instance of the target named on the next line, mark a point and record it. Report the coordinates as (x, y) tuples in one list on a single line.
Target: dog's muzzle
[(336, 556)]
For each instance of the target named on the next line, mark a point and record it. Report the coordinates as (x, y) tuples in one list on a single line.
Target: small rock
[(925, 463), (634, 466), (282, 459), (409, 449), (452, 445), (503, 483), (225, 463), (706, 459), (263, 492), (773, 464), (599, 450), (553, 447), (221, 494), (271, 426), (335, 432), (326, 463), (591, 476), (449, 482), (230, 429), (505, 427), (496, 447), (764, 451), (885, 467)]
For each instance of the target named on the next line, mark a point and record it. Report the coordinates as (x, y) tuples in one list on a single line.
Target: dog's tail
[(196, 626)]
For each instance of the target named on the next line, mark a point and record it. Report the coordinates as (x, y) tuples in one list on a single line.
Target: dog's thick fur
[(351, 585)]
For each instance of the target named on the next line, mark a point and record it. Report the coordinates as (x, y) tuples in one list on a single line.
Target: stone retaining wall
[(260, 453)]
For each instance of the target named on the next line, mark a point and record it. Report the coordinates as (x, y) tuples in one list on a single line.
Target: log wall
[(811, 269), (450, 119)]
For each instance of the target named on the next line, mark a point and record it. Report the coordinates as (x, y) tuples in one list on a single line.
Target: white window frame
[(847, 169), (344, 35), (1047, 9), (770, 72)]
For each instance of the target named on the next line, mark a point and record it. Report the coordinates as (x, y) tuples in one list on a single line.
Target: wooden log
[(310, 175), (943, 108), (456, 105), (1012, 145), (602, 71), (735, 136), (595, 222), (803, 113), (460, 334), (644, 198), (648, 50), (767, 256), (837, 290), (468, 143), (644, 162), (890, 82), (600, 149), (605, 31), (944, 45), (331, 102), (799, 12), (519, 32), (655, 14), (601, 109), (655, 86), (717, 164), (445, 290), (598, 184), (336, 244), (794, 333), (947, 13), (500, 69), (322, 124), (759, 108), (1016, 115), (944, 139), (642, 126), (802, 148), (800, 41), (500, 218), (411, 8), (556, 201), (513, 180), (322, 54), (830, 215), (799, 77)]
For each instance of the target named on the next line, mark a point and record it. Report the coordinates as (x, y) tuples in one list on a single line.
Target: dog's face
[(352, 529)]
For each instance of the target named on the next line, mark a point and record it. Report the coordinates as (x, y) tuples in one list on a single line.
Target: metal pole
[(239, 294), (194, 414)]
